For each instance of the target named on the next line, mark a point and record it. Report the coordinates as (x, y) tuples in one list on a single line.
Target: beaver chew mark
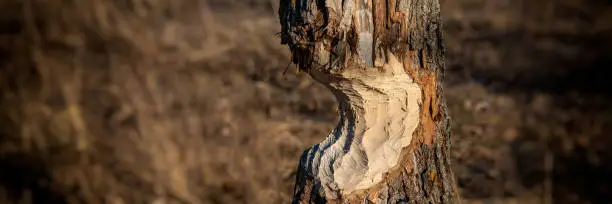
[(378, 115)]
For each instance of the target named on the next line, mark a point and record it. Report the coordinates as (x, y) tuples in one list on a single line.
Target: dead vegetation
[(114, 99), (186, 102)]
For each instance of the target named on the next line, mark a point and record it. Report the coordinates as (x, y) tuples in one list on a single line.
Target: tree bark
[(384, 61)]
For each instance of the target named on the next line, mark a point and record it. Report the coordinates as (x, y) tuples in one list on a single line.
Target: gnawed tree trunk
[(384, 61)]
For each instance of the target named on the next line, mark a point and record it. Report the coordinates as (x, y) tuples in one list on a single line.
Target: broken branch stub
[(384, 61)]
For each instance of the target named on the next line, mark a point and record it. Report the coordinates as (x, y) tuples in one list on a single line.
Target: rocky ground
[(196, 102)]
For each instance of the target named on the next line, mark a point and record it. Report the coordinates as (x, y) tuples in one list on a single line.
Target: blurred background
[(195, 101)]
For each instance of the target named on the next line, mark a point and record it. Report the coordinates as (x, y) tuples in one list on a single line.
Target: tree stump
[(384, 61)]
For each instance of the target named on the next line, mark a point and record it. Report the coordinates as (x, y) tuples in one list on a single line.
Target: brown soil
[(173, 101)]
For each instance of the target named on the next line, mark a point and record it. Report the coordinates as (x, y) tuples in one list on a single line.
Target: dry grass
[(121, 106)]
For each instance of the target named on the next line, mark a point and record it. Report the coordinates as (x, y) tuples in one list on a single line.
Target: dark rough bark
[(327, 38)]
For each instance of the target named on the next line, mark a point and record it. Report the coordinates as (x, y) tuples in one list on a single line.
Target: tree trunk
[(384, 62)]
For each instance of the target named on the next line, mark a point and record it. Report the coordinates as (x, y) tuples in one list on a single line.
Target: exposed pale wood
[(384, 61)]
